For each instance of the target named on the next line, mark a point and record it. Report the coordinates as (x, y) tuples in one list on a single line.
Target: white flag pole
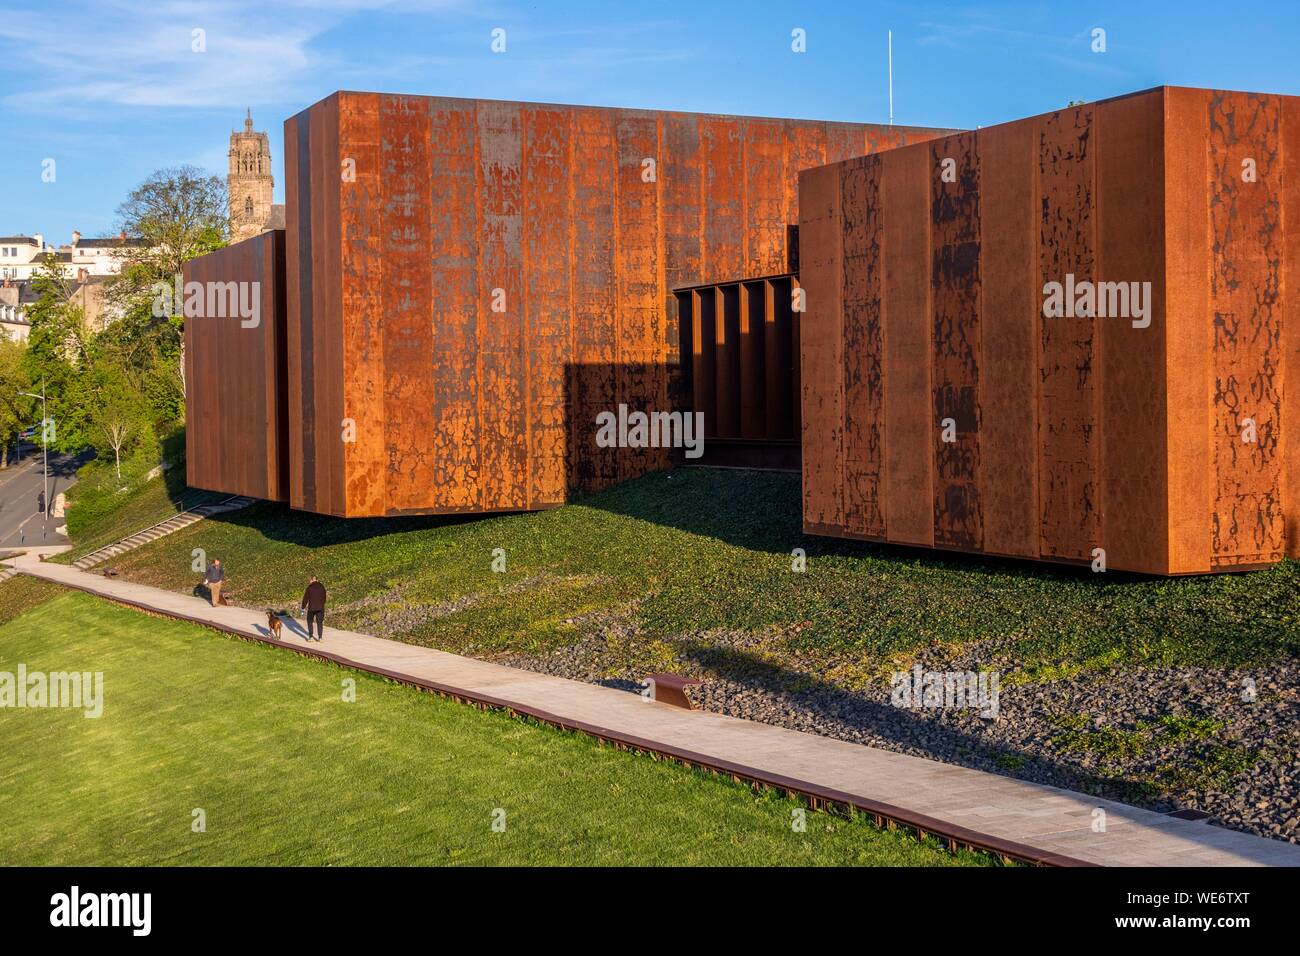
[(891, 77)]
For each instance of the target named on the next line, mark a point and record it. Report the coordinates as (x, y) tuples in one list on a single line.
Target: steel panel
[(723, 206), (453, 380), (641, 369), (753, 360), (780, 360), (765, 197), (1068, 401), (595, 330), (909, 402), (1245, 278), (362, 301), (956, 341), (1289, 440), (329, 373), (704, 356), (1189, 332), (821, 362), (1010, 313), (503, 452), (1131, 248), (727, 379), (861, 285), (547, 302), (414, 445)]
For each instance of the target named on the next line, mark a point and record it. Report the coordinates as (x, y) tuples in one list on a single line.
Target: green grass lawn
[(20, 594), (286, 772), (674, 555)]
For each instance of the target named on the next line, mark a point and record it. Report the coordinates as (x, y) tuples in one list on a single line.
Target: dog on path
[(273, 625)]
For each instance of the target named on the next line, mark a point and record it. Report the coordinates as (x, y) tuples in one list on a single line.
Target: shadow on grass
[(281, 523), (763, 511), (756, 510)]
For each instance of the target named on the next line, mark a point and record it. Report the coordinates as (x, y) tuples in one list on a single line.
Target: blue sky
[(113, 90)]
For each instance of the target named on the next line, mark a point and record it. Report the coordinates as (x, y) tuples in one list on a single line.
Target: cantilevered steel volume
[(237, 422), (946, 405), (471, 282)]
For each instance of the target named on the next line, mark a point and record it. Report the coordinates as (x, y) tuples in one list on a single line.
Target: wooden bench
[(671, 689)]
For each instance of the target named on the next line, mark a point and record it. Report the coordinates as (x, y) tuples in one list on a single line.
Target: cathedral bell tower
[(249, 182)]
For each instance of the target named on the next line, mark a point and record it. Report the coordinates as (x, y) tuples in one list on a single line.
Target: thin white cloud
[(71, 56), (1068, 51)]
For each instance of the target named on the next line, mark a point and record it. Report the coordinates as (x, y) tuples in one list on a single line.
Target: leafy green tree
[(177, 214), (15, 410), (119, 415), (121, 389), (147, 353), (58, 355)]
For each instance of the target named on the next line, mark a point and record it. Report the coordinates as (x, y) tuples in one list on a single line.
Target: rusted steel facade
[(942, 408), (236, 413), (739, 344), (471, 282)]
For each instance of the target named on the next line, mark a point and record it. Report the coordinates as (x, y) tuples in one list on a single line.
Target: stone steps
[(163, 528)]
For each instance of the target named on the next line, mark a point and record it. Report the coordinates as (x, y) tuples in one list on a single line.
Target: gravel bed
[(1223, 742)]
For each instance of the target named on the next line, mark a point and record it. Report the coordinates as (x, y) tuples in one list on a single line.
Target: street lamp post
[(45, 445)]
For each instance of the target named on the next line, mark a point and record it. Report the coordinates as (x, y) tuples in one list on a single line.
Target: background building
[(19, 254), (14, 298), (21, 257), (87, 264), (250, 185)]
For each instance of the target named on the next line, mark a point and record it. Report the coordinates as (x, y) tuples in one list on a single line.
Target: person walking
[(313, 602), (214, 577), (40, 503)]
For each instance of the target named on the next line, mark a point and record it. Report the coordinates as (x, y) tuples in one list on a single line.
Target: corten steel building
[(470, 282), (1158, 439), (237, 423)]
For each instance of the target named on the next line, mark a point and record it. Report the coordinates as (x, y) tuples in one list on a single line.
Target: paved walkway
[(1048, 819)]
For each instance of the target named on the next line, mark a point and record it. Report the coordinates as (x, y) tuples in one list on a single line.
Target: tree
[(59, 354), (15, 411), (123, 388), (175, 215), (147, 353), (178, 214), (119, 415)]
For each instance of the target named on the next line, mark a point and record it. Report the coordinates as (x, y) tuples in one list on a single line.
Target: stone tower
[(249, 182)]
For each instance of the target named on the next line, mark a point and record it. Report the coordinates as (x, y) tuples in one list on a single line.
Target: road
[(20, 485)]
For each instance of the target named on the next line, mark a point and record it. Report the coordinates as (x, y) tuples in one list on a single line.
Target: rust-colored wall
[(925, 304), (459, 408), (1246, 304), (235, 408)]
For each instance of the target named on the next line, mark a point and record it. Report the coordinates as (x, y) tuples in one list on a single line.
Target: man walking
[(214, 577), (40, 503), (313, 602)]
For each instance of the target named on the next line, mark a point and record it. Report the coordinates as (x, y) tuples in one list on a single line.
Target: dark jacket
[(313, 599), (214, 574)]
